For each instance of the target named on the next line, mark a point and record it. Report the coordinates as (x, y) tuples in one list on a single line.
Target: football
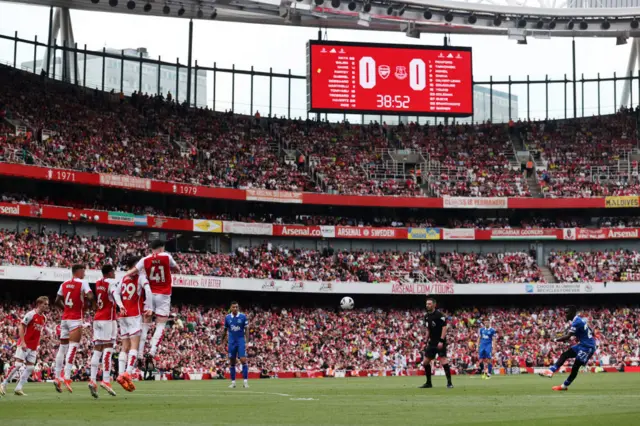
[(346, 303)]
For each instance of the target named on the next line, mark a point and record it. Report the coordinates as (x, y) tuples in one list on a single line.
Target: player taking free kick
[(128, 297), (71, 297), (30, 330), (157, 269), (582, 352)]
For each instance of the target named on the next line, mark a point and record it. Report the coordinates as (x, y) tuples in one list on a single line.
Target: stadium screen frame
[(383, 111)]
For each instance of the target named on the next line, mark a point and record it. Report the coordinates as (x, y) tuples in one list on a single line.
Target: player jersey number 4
[(72, 293), (157, 268)]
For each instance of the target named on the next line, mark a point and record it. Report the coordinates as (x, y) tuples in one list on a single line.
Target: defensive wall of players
[(57, 275)]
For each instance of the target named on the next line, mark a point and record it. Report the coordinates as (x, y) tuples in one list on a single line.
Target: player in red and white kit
[(157, 268), (105, 330), (30, 330), (71, 298), (128, 295)]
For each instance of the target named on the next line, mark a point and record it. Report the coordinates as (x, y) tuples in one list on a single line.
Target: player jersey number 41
[(157, 268)]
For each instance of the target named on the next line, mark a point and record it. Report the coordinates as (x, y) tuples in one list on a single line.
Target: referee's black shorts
[(432, 350)]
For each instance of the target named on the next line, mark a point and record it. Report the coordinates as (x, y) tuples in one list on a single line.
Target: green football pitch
[(594, 399)]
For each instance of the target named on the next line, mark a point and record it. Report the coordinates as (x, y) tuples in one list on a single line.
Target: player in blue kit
[(582, 352), (235, 325), (485, 349)]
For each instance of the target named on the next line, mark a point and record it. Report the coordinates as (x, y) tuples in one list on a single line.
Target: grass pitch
[(594, 399)]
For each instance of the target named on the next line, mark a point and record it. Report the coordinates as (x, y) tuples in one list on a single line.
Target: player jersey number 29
[(129, 289), (417, 73), (156, 274)]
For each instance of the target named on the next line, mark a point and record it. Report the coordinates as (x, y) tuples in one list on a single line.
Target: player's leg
[(96, 357), (569, 353), (122, 363), (162, 308), (61, 356), (583, 354), (30, 360), (74, 342), (107, 355), (233, 356), (146, 325), (444, 361), (245, 367), (132, 360), (13, 371)]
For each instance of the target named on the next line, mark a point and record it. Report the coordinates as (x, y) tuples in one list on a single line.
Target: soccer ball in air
[(346, 303)]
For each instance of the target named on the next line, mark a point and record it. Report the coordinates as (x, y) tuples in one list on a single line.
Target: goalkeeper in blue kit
[(582, 352)]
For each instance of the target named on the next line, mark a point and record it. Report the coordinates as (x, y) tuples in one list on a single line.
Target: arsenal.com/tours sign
[(58, 275)]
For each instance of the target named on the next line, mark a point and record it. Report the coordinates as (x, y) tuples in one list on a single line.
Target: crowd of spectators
[(154, 137), (596, 266), (577, 153), (516, 267), (306, 339)]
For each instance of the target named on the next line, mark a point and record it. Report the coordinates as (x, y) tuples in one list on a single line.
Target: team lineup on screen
[(390, 79)]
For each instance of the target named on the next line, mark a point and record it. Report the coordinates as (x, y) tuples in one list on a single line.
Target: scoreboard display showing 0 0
[(365, 78)]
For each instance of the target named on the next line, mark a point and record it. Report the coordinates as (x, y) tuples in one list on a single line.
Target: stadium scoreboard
[(390, 79)]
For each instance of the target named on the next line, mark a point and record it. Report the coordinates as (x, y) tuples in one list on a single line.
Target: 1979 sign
[(389, 79)]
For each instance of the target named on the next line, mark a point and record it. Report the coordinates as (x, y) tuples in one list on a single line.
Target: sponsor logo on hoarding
[(203, 225), (459, 234), (120, 181), (248, 228), (523, 234), (549, 288), (529, 288), (424, 234), (474, 203), (120, 218), (622, 233), (9, 209), (326, 286), (426, 288), (274, 196), (622, 202), (158, 222), (362, 232), (269, 285), (297, 286), (140, 220)]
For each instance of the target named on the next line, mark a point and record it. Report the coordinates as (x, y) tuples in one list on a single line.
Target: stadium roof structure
[(514, 18)]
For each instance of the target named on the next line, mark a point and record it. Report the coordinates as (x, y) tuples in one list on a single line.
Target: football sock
[(447, 372), (427, 372), (106, 365), (122, 363), (133, 356), (233, 373), (95, 363), (490, 368), (13, 371), (71, 357), (143, 337), (24, 378), (157, 336), (245, 371), (574, 373), (60, 357)]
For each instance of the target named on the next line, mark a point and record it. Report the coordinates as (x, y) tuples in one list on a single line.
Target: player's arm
[(138, 269), (116, 291), (443, 334), (148, 296), (87, 291), (225, 334), (21, 331), (59, 299), (478, 342), (172, 264), (246, 332), (567, 335)]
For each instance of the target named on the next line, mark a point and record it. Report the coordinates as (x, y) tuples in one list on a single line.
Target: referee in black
[(436, 342)]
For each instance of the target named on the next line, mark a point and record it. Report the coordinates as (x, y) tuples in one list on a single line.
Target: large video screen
[(370, 78)]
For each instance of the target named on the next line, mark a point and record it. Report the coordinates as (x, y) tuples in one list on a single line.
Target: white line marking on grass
[(303, 399)]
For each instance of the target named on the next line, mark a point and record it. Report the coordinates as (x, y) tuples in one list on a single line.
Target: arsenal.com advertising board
[(389, 79)]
